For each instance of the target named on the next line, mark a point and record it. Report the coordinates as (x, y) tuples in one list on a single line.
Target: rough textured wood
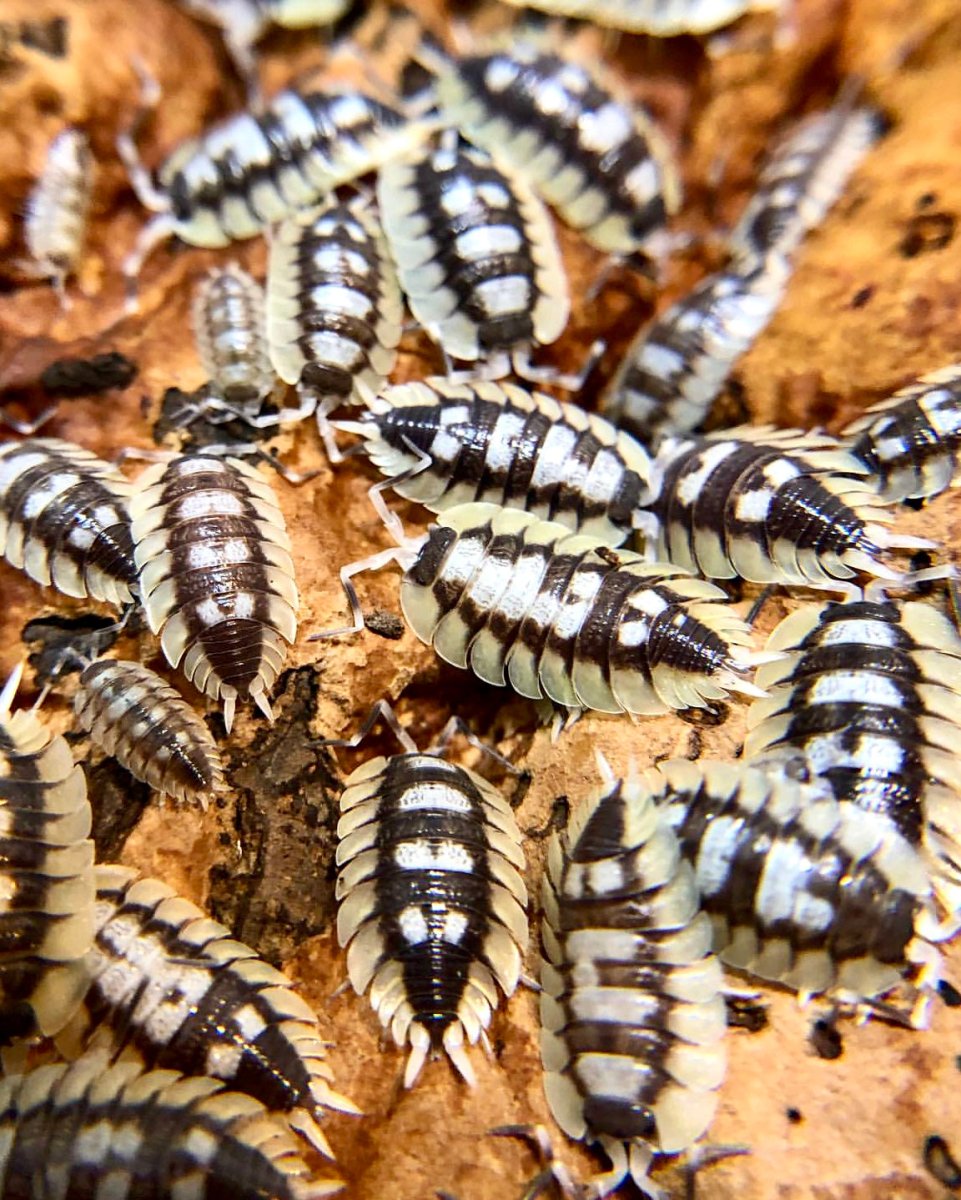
[(874, 301)]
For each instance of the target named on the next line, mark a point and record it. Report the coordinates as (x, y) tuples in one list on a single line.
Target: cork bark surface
[(875, 300)]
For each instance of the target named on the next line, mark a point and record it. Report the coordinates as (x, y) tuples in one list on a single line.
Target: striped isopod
[(230, 329), (47, 914), (677, 366), (334, 308), (498, 442), (476, 255), (801, 889), (431, 901), (172, 985), (63, 519), (135, 715), (561, 615), (87, 1130), (599, 162), (802, 179), (770, 506), (871, 694), (660, 18), (55, 223), (255, 169), (911, 441), (632, 1016), (216, 576)]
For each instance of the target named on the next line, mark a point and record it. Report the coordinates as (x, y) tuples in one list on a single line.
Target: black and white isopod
[(632, 1015), (431, 901), (216, 576)]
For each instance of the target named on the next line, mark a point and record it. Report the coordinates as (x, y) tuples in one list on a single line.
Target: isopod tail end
[(454, 1046)]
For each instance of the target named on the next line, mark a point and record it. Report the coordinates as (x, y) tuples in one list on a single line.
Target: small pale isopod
[(63, 519), (173, 985), (230, 329), (476, 255), (910, 442), (599, 162), (431, 901), (135, 715), (812, 893), (87, 1129), (870, 693), (334, 308), (770, 506), (216, 576), (55, 224), (632, 1015), (677, 366), (47, 876), (500, 443)]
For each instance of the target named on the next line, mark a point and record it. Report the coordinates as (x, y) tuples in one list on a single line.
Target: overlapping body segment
[(64, 520), (171, 985), (557, 614), (870, 694), (677, 366), (334, 308), (601, 164), (46, 873), (431, 901), (500, 443), (632, 1016), (216, 576), (475, 252), (75, 1130), (804, 890), (135, 715), (910, 443), (770, 506)]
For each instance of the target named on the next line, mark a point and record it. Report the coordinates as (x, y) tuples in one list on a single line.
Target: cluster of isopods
[(574, 558)]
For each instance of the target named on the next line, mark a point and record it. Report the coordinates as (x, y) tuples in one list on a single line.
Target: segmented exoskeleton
[(677, 366), (431, 901), (55, 224), (500, 443), (135, 715), (801, 180), (770, 506), (216, 576), (334, 308), (476, 255), (230, 328), (600, 163), (560, 615), (254, 169), (911, 442), (171, 985), (870, 693), (660, 18), (46, 875), (813, 893), (632, 1016), (63, 519), (84, 1130)]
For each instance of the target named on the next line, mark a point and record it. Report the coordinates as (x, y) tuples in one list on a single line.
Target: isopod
[(230, 329), (215, 574), (55, 224), (431, 901), (632, 1015), (135, 715), (476, 255), (47, 921), (659, 18), (64, 521)]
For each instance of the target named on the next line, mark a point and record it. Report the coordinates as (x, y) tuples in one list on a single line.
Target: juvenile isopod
[(135, 715), (230, 328), (55, 224)]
